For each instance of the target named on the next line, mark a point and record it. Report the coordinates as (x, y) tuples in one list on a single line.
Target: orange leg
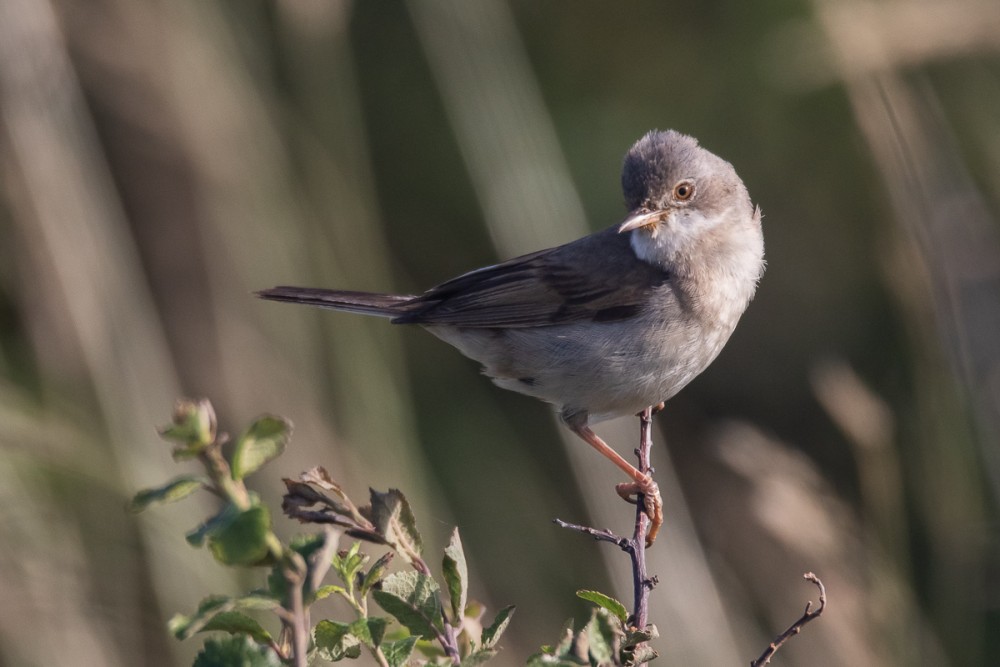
[(642, 485)]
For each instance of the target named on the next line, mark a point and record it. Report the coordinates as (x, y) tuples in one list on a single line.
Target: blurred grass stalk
[(89, 296), (943, 264)]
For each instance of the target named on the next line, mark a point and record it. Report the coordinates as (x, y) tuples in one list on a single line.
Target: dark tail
[(367, 303)]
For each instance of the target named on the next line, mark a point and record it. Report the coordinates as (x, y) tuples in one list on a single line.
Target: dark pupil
[(682, 191)]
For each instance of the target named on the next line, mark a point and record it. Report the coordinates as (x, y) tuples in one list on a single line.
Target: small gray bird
[(611, 323)]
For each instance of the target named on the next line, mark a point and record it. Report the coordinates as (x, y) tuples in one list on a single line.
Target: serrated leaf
[(238, 650), (398, 652), (335, 642), (243, 540), (412, 598), (491, 635), (184, 627), (456, 576), (616, 608), (174, 490), (603, 637), (376, 573), (263, 441), (393, 519)]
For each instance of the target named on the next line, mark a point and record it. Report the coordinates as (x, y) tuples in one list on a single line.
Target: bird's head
[(677, 194)]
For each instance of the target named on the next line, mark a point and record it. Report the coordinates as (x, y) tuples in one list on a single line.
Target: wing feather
[(597, 278)]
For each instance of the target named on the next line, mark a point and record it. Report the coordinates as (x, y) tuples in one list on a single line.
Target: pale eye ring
[(684, 191)]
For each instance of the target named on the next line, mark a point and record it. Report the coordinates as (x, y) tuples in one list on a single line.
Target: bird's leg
[(642, 483)]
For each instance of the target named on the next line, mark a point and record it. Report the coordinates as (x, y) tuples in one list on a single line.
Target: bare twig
[(796, 627), (599, 535), (641, 583), (298, 624)]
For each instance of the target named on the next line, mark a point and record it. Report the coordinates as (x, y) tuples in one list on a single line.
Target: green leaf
[(243, 540), (604, 636), (393, 519), (236, 651), (607, 602), (264, 441), (376, 573), (335, 641), (235, 622), (197, 537), (491, 635), (456, 576), (307, 544), (193, 427), (348, 563), (184, 627), (398, 652), (376, 629), (175, 489), (327, 591), (412, 598)]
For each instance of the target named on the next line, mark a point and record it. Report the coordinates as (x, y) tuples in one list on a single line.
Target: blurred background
[(159, 161)]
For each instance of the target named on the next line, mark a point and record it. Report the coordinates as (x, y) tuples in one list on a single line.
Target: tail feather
[(367, 303)]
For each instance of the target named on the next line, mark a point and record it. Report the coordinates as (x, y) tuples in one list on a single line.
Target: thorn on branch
[(796, 627)]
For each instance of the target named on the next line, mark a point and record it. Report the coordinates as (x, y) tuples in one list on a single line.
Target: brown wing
[(595, 278)]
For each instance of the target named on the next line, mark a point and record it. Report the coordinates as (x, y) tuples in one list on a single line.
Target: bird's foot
[(652, 503)]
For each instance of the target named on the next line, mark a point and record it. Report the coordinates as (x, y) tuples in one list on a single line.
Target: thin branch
[(635, 546), (796, 627), (641, 584), (599, 535), (298, 624)]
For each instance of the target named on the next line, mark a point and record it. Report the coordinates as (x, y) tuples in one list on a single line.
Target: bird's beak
[(640, 218)]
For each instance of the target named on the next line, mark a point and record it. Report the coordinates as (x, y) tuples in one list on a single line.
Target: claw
[(652, 503)]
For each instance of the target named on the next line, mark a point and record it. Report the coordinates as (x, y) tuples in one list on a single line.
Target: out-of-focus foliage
[(160, 161), (240, 535)]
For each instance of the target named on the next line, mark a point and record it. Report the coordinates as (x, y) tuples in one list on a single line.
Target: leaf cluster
[(443, 624), (606, 639), (418, 619)]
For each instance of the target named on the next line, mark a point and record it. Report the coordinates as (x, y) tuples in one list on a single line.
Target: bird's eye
[(683, 191)]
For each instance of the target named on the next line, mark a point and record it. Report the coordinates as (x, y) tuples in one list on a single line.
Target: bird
[(612, 323)]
